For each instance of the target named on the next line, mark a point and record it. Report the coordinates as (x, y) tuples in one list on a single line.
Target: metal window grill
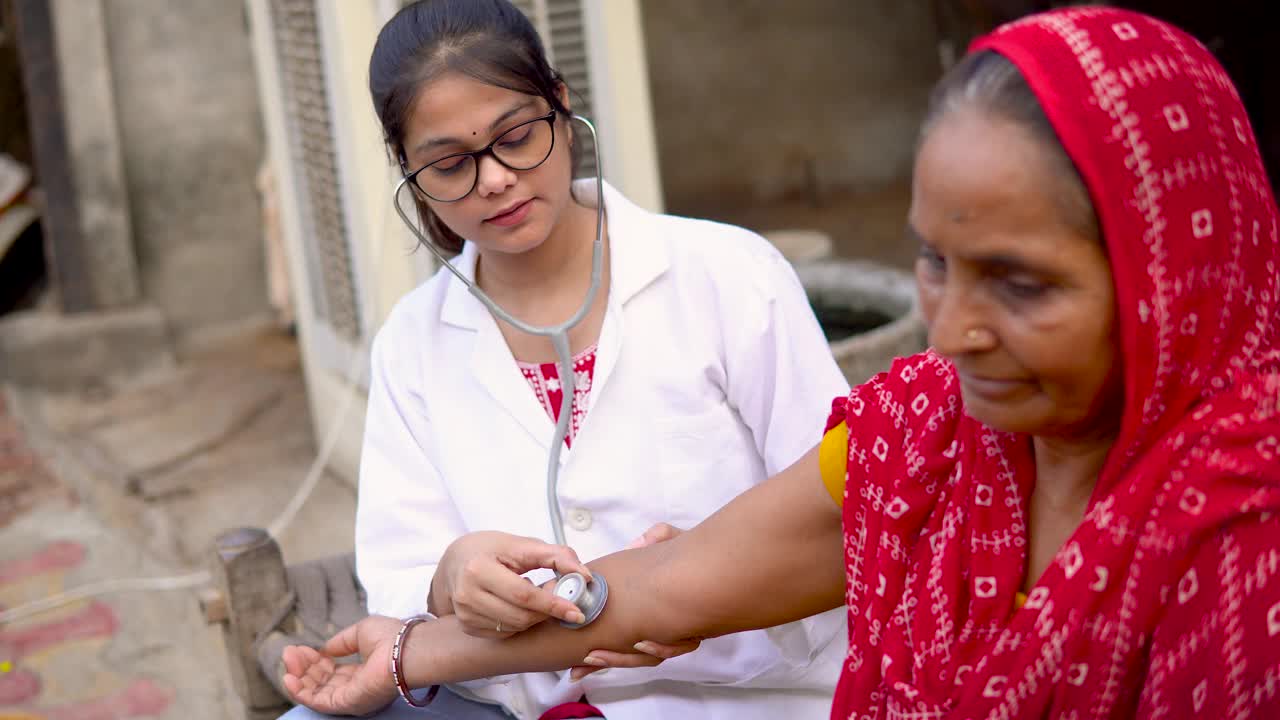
[(564, 33), (313, 154)]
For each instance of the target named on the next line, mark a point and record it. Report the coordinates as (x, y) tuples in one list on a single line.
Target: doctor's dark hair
[(991, 84), (489, 40)]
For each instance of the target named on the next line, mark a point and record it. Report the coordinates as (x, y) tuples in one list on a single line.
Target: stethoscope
[(588, 596)]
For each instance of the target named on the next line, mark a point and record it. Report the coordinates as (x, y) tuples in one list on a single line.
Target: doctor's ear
[(562, 93)]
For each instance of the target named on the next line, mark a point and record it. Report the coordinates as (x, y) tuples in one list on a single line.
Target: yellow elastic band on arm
[(833, 459)]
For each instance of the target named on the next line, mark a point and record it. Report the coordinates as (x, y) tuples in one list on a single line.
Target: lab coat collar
[(638, 256)]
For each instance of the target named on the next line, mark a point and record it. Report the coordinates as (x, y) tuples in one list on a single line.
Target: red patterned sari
[(1165, 602)]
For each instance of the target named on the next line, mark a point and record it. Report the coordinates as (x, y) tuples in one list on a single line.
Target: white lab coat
[(711, 375)]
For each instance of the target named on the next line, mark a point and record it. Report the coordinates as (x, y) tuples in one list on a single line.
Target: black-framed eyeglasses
[(523, 147)]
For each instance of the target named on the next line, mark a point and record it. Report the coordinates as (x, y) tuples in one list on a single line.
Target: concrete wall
[(90, 120), (760, 99), (187, 109), (15, 139)]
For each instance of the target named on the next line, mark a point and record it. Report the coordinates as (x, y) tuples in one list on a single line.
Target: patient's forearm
[(772, 556), (439, 652)]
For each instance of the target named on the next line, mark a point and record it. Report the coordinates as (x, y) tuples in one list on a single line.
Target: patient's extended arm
[(772, 556)]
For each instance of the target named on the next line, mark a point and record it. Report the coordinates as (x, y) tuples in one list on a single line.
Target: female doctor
[(700, 339)]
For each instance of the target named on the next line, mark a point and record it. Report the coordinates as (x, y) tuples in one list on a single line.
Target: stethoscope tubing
[(559, 334)]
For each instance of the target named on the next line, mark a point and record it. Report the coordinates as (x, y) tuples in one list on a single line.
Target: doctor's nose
[(493, 177)]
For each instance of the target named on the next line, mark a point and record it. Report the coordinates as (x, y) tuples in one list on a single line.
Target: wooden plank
[(249, 574)]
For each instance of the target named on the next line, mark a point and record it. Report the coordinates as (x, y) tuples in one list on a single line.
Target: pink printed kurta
[(544, 378)]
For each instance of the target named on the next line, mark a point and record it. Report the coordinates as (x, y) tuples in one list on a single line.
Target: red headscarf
[(1165, 602)]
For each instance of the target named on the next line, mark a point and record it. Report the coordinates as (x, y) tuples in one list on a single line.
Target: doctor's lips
[(512, 214)]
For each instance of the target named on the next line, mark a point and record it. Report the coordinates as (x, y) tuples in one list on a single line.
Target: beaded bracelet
[(397, 672)]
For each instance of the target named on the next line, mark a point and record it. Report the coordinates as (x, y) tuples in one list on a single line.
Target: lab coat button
[(580, 519)]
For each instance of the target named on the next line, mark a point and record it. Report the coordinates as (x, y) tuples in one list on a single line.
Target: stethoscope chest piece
[(589, 597)]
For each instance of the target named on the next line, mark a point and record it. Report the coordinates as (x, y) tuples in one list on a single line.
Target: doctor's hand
[(648, 654), (315, 680), (479, 580)]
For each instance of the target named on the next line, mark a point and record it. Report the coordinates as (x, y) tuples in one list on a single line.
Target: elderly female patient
[(1066, 508)]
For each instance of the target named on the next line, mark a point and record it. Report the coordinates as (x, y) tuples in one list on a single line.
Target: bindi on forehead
[(511, 112)]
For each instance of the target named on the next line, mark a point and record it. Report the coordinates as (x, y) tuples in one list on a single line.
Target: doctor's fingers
[(605, 659), (489, 616), (517, 592), (661, 532), (542, 601), (532, 554), (647, 654)]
